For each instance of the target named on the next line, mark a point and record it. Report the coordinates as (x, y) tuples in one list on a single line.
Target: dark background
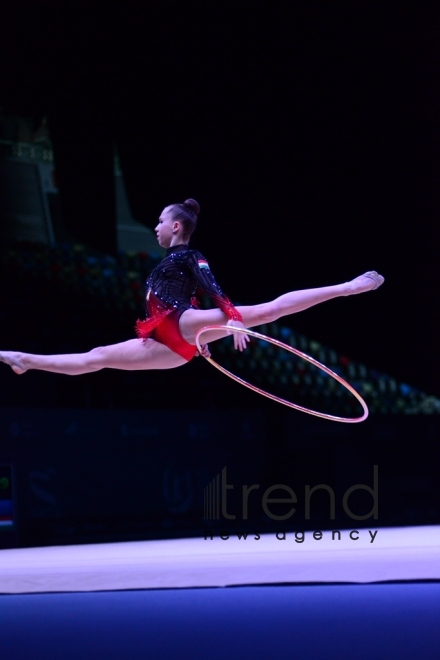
[(309, 134)]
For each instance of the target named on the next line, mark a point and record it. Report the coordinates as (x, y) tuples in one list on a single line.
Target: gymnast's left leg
[(192, 321), (130, 355)]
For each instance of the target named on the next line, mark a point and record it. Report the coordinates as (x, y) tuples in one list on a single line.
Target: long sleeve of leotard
[(206, 281)]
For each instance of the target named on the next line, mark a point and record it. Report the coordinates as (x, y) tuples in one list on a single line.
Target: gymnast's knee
[(269, 312), (94, 359)]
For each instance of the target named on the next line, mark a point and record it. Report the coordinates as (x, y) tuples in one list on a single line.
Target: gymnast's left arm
[(206, 280)]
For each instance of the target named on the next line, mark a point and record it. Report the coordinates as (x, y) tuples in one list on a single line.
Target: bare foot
[(367, 282), (15, 361)]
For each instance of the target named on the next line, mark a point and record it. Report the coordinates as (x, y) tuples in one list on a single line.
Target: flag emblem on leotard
[(203, 264)]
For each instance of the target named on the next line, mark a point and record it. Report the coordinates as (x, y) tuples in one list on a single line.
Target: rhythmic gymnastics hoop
[(304, 356)]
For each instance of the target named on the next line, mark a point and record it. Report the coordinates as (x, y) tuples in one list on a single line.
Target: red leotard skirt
[(162, 325)]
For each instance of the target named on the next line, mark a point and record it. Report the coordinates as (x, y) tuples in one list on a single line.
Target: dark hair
[(186, 213)]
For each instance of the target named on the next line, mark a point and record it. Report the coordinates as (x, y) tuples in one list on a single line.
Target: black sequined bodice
[(183, 271)]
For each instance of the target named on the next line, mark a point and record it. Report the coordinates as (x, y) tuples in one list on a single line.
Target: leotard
[(172, 288)]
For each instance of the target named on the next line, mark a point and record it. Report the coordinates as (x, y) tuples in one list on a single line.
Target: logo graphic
[(211, 499)]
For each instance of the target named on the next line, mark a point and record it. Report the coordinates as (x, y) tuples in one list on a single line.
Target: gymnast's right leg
[(130, 355)]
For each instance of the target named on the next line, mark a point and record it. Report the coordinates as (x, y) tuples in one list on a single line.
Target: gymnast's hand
[(240, 339), (205, 351)]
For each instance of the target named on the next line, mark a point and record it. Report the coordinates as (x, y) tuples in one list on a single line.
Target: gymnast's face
[(167, 229)]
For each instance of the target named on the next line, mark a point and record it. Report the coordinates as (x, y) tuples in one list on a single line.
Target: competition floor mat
[(332, 556)]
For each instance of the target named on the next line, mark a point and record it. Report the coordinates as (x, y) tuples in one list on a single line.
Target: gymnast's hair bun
[(192, 205)]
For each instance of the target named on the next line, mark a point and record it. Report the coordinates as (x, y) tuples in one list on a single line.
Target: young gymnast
[(166, 338)]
